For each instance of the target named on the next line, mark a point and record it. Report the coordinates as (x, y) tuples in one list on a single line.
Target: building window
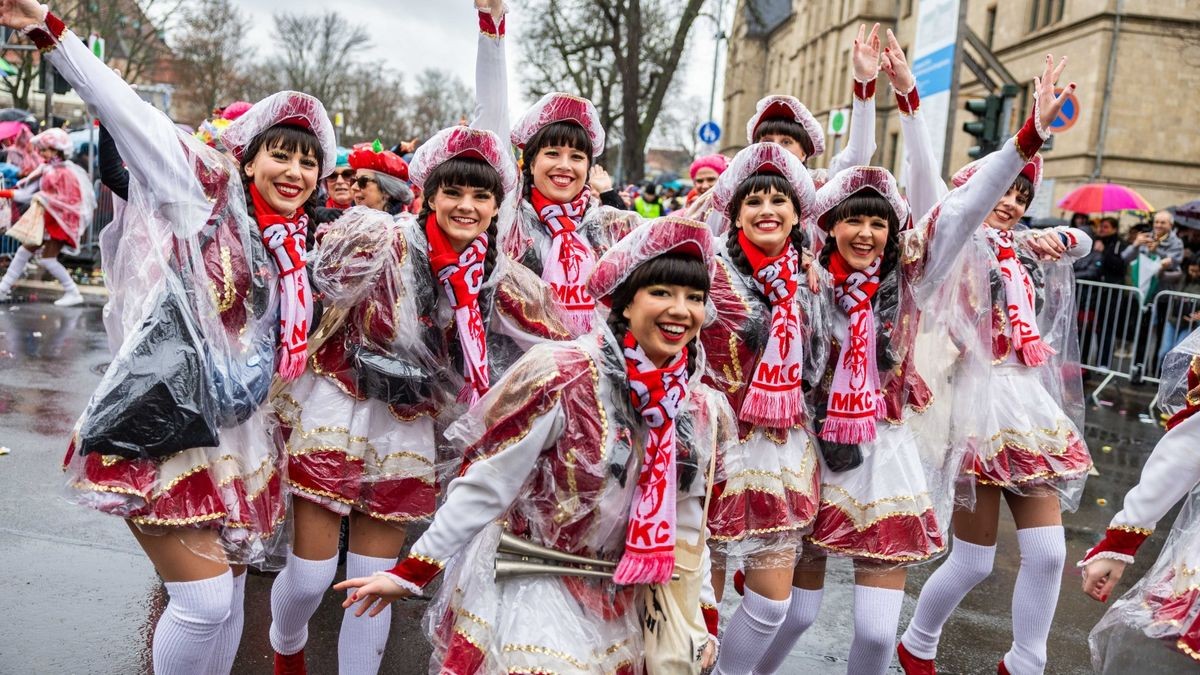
[(907, 8), (990, 34), (1044, 12)]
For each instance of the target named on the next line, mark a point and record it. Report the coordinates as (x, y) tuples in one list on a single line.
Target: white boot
[(71, 296), (15, 268), (70, 299)]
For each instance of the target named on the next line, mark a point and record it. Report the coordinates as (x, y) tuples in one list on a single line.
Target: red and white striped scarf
[(775, 398), (657, 394), (461, 276), (285, 238), (570, 260), (855, 401), (1019, 301)]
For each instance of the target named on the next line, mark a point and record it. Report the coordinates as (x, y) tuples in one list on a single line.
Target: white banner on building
[(933, 66)]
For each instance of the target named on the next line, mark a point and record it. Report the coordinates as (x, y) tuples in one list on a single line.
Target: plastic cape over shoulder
[(1162, 609), (553, 451), (389, 333), (176, 434)]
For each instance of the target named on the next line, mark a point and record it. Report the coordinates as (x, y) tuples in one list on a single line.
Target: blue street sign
[(709, 132), (1068, 115)]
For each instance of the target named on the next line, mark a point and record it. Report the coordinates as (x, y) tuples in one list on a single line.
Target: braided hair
[(865, 203), (473, 173), (288, 138), (670, 268), (760, 183)]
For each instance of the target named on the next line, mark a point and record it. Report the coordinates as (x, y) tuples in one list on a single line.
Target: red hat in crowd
[(1032, 170), (235, 110), (717, 163), (372, 156)]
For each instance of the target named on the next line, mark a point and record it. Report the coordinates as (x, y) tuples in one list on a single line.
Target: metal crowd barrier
[(1110, 330)]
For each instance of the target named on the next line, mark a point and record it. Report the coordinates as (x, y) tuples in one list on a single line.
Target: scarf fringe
[(774, 409), (1036, 353), (848, 431), (645, 568), (579, 323)]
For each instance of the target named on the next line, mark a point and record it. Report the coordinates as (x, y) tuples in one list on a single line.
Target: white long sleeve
[(923, 185), (486, 490), (491, 82), (146, 138), (1171, 471), (860, 143)]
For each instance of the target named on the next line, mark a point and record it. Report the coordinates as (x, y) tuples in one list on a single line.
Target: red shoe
[(913, 665), (739, 582), (1002, 669), (290, 664)]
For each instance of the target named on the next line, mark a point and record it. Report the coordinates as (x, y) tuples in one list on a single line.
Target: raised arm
[(923, 184), (956, 218), (860, 144), (145, 137), (491, 70)]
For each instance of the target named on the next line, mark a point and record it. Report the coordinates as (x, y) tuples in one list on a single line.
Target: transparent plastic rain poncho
[(386, 366), (176, 435), (1033, 444), (894, 505), (768, 496), (558, 437), (64, 190), (770, 157), (20, 152), (1162, 609), (560, 107)]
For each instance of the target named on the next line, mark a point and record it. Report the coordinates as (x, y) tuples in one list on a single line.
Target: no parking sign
[(1069, 115)]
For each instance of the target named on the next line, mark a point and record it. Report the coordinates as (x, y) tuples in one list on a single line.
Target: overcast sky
[(412, 35)]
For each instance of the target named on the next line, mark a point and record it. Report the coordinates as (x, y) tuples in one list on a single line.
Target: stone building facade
[(1148, 139)]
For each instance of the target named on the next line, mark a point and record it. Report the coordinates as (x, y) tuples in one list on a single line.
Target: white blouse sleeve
[(923, 184), (1171, 471), (146, 138), (860, 144), (491, 79)]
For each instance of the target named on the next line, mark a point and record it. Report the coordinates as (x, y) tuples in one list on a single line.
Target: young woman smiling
[(579, 448), (1030, 451), (218, 245), (421, 313), (561, 228), (758, 350)]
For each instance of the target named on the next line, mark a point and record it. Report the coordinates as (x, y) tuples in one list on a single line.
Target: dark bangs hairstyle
[(559, 133), (289, 138), (1024, 188), (865, 202), (670, 268), (760, 183), (785, 127), (466, 172)]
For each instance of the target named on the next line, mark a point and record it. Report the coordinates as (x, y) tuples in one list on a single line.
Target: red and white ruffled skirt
[(346, 454)]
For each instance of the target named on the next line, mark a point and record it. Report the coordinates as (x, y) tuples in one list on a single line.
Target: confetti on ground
[(1106, 449), (1102, 502)]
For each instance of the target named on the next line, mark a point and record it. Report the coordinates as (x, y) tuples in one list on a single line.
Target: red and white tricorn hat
[(854, 179), (285, 107), (651, 239), (780, 106), (560, 107), (763, 158), (1032, 170), (461, 141)]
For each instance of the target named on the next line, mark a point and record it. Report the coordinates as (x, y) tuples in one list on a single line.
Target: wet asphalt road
[(79, 597)]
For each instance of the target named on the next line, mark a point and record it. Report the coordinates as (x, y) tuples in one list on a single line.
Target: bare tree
[(376, 106), (134, 30), (28, 68), (211, 56), (622, 54), (320, 53), (440, 100)]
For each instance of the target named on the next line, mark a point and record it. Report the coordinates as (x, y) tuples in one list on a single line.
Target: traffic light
[(986, 128)]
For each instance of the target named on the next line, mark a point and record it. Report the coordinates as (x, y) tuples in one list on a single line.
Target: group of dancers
[(598, 418)]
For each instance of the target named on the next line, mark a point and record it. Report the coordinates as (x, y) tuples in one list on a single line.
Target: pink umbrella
[(1101, 197), (10, 129)]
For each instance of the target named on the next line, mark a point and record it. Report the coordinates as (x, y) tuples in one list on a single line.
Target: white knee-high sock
[(295, 595), (226, 645), (363, 639), (56, 270), (19, 260), (966, 566), (183, 639), (876, 616), (800, 615), (1043, 552), (750, 629)]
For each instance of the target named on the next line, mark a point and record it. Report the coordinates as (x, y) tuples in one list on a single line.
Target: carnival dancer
[(582, 448), (421, 312), (15, 137), (560, 227), (1030, 451), (61, 192), (175, 439), (380, 178), (1163, 605)]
